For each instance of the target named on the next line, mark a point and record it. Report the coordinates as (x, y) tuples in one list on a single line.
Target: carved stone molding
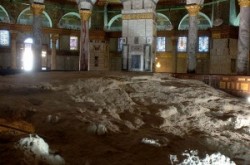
[(244, 3), (193, 10), (138, 16)]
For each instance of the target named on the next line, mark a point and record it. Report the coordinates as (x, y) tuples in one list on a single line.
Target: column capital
[(85, 14), (193, 10), (244, 3), (37, 9)]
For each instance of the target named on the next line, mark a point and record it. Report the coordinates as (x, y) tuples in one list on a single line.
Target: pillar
[(139, 33), (84, 40), (174, 40), (37, 10), (106, 16), (13, 50), (242, 65), (54, 38), (193, 11)]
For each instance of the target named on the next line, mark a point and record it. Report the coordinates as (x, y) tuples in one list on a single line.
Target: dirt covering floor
[(119, 118)]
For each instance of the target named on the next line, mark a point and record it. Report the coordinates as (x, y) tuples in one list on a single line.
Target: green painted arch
[(236, 21), (47, 22), (111, 27), (184, 22), (111, 22), (4, 18), (164, 23), (162, 15), (71, 20), (72, 13)]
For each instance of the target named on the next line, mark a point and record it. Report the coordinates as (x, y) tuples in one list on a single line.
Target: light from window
[(120, 43), (57, 44), (182, 44), (27, 57), (4, 38), (73, 43), (203, 44), (161, 44)]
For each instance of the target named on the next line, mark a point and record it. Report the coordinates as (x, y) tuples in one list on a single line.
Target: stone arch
[(4, 16), (71, 20), (204, 22), (163, 22), (26, 17), (236, 21), (114, 24)]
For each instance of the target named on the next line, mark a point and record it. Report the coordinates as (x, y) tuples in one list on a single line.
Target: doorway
[(27, 55)]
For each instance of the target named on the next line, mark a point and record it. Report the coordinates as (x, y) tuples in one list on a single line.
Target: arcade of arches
[(113, 47), (99, 81)]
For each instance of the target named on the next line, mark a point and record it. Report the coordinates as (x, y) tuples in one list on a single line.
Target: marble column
[(84, 41), (13, 50), (174, 40), (242, 65), (139, 32), (37, 34), (193, 11), (105, 15), (54, 38)]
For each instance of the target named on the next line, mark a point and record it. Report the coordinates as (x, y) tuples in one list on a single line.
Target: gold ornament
[(244, 3), (193, 10), (85, 14), (37, 9)]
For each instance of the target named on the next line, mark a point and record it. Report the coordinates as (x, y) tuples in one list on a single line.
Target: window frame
[(57, 44), (208, 44), (120, 42), (9, 39), (76, 44), (178, 50), (165, 47)]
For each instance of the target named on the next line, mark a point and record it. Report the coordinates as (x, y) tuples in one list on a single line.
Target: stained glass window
[(4, 38), (161, 44), (182, 44), (73, 43), (203, 44)]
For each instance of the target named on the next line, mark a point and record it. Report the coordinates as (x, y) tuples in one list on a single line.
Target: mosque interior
[(124, 82)]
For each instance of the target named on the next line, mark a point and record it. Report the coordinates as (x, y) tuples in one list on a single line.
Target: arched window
[(115, 23), (203, 22), (163, 22), (236, 21), (70, 20), (26, 18), (4, 17)]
